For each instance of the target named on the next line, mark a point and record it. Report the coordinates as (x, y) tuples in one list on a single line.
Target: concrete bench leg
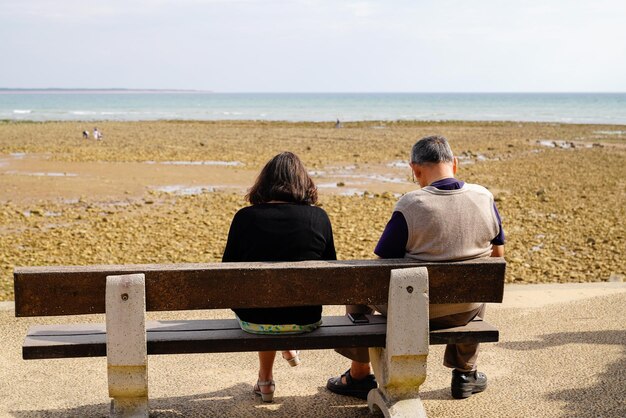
[(127, 357), (400, 368)]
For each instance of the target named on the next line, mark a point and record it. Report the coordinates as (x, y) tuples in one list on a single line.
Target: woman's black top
[(280, 232)]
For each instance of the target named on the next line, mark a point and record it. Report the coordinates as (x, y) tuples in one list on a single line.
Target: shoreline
[(345, 123)]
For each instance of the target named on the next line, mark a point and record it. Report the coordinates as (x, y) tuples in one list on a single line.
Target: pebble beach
[(165, 192)]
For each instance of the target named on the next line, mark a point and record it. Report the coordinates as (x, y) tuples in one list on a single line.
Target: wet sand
[(165, 192)]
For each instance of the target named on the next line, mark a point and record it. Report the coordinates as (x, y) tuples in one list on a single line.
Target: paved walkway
[(562, 354)]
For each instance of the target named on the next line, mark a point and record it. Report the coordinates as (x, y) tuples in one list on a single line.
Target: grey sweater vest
[(449, 225)]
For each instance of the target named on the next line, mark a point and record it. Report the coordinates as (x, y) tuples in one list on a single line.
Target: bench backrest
[(75, 290)]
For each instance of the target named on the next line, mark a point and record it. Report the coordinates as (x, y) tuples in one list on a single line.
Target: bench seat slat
[(476, 331), (225, 335)]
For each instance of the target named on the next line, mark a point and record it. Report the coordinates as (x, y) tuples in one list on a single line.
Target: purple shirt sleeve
[(392, 243), (499, 239)]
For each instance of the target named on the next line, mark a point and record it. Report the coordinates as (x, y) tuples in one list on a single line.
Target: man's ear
[(417, 171), (455, 164)]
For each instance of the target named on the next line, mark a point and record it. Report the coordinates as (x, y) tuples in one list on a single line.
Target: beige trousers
[(458, 356)]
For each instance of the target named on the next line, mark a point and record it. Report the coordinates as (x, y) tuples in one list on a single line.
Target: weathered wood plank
[(75, 290), (477, 331), (215, 336)]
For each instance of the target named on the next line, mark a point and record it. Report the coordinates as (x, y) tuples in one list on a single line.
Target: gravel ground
[(559, 188)]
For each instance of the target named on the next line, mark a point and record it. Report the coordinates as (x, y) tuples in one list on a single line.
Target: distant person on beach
[(282, 224), (445, 220), (85, 134), (338, 124), (97, 135)]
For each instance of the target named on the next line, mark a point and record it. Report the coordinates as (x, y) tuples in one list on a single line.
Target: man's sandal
[(353, 387), (267, 397)]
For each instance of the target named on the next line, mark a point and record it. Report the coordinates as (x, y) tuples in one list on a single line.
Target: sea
[(129, 105)]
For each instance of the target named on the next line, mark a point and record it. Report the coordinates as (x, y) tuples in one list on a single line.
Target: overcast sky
[(315, 45)]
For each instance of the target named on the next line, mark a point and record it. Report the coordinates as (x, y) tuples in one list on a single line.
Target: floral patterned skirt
[(277, 329)]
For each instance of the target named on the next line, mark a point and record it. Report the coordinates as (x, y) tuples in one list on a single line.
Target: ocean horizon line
[(174, 90), (55, 90)]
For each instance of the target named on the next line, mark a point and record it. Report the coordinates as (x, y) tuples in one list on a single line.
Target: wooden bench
[(399, 342)]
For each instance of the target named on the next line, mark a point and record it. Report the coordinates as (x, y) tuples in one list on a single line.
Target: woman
[(282, 224)]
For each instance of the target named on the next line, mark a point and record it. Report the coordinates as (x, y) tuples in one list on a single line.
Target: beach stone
[(141, 232)]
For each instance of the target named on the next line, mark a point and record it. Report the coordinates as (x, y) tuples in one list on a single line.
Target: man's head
[(432, 160), (432, 149)]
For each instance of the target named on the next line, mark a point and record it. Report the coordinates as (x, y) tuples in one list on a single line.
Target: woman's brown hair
[(285, 179)]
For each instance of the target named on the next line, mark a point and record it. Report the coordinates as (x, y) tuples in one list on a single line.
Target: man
[(445, 220)]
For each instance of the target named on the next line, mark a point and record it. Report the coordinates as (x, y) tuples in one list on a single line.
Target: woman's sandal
[(267, 397), (293, 361)]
